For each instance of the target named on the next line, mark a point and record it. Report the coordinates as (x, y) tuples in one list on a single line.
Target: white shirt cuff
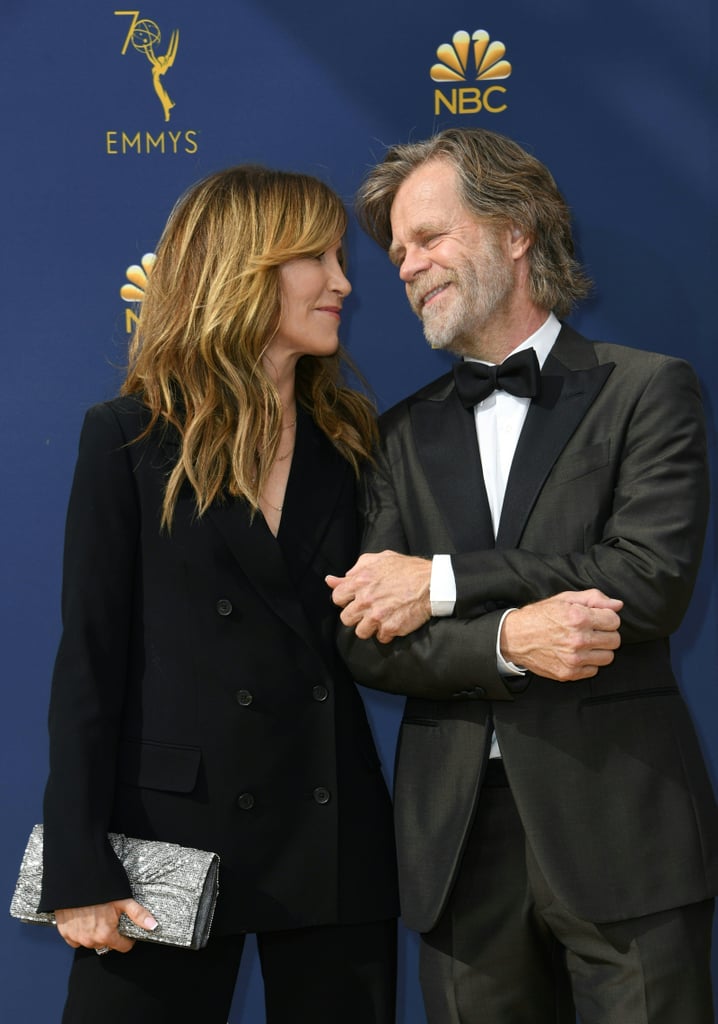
[(442, 587), (506, 668)]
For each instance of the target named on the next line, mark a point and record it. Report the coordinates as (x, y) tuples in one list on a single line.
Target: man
[(556, 827)]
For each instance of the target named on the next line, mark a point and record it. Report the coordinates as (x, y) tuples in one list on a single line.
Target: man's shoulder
[(436, 391), (628, 356), (623, 356)]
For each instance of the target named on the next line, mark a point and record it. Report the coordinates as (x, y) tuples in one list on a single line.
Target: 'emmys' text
[(143, 143)]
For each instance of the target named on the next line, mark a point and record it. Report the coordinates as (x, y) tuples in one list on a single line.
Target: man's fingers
[(592, 598), (337, 585), (365, 630), (606, 640), (601, 657), (604, 620), (571, 616), (351, 615), (342, 592)]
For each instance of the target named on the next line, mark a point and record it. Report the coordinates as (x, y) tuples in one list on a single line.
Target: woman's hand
[(95, 927)]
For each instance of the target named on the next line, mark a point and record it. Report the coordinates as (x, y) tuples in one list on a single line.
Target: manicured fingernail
[(149, 923)]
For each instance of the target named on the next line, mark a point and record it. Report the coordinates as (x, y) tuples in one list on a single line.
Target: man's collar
[(542, 340)]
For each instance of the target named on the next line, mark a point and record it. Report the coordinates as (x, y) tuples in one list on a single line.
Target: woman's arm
[(89, 680)]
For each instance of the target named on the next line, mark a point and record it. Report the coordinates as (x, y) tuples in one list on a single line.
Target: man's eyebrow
[(420, 233)]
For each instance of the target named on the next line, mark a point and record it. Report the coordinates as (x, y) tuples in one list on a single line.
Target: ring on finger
[(101, 950)]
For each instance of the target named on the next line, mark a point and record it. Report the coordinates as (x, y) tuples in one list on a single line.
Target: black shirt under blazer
[(198, 697), (609, 489)]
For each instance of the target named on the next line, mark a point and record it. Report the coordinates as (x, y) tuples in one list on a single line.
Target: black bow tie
[(520, 375)]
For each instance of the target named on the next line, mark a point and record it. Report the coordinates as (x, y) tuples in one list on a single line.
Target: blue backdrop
[(108, 115)]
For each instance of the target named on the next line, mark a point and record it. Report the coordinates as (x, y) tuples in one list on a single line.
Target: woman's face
[(313, 290)]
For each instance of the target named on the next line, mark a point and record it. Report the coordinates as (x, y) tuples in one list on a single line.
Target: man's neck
[(502, 335)]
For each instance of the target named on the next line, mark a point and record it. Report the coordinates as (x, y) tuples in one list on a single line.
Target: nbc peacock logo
[(489, 66), (134, 288)]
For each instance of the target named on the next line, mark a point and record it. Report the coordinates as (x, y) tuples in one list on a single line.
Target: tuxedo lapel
[(445, 435), (570, 381)]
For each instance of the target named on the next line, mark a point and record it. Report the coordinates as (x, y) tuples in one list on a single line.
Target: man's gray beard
[(445, 337), (459, 328)]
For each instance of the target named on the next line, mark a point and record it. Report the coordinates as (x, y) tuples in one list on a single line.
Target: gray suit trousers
[(507, 951)]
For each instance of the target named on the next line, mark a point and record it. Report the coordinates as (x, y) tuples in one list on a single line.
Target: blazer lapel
[(249, 540), (260, 559), (318, 477), (445, 434), (308, 505), (570, 381)]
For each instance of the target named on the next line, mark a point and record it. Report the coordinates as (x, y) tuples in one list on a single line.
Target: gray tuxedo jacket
[(608, 489)]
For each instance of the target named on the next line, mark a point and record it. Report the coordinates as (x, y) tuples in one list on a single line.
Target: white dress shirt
[(499, 421)]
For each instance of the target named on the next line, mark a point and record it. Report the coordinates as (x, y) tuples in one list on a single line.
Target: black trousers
[(507, 951), (335, 973)]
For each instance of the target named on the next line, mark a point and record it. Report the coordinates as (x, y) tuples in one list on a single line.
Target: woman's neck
[(284, 379)]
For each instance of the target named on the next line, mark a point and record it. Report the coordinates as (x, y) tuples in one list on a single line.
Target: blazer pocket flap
[(570, 467), (154, 765)]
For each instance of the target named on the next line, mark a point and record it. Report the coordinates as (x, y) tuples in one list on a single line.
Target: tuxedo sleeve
[(447, 657), (89, 678), (650, 539)]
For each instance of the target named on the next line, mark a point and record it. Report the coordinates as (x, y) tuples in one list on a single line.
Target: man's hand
[(384, 595), (96, 927), (565, 637)]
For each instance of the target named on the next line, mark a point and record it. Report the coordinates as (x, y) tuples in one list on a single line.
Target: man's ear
[(520, 242)]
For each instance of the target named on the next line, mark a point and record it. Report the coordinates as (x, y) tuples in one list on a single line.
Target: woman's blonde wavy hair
[(211, 308)]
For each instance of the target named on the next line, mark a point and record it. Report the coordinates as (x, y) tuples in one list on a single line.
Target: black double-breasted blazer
[(198, 697), (609, 489)]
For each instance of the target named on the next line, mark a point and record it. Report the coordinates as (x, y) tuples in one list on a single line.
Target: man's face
[(458, 269)]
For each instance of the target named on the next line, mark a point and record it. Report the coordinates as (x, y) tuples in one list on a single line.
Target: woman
[(197, 696)]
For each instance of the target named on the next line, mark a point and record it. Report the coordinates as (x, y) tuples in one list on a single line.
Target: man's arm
[(649, 549), (443, 653), (565, 637), (580, 626), (652, 540)]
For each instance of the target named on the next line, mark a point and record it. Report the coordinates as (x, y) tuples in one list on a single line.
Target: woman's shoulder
[(126, 415), (127, 409)]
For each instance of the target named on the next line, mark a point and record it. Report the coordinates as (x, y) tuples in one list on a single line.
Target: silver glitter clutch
[(177, 884)]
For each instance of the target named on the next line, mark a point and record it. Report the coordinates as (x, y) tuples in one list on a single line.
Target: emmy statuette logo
[(489, 66), (144, 35), (145, 38)]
